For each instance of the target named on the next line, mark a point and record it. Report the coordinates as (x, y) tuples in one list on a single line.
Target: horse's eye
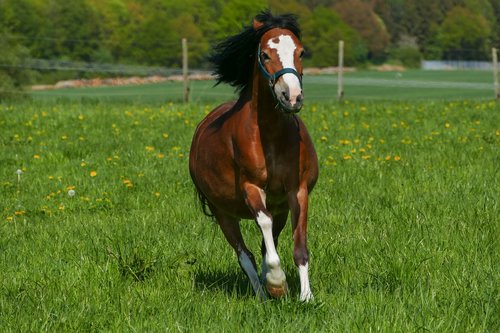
[(265, 57), (301, 54)]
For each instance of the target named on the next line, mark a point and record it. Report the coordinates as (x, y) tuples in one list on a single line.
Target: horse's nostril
[(299, 98), (286, 95)]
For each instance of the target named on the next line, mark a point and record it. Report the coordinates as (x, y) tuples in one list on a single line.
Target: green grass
[(362, 85), (403, 227)]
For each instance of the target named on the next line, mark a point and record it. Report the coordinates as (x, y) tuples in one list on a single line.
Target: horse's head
[(279, 57)]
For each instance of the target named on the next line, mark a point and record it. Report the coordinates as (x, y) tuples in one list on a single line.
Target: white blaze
[(286, 52)]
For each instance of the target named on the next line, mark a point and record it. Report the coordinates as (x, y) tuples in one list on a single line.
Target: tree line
[(149, 31)]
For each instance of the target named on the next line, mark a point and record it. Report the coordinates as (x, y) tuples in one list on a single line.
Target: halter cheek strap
[(272, 78)]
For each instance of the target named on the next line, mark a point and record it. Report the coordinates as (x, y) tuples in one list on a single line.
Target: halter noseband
[(272, 78)]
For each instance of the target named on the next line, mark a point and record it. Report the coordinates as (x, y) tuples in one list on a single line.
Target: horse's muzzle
[(290, 104)]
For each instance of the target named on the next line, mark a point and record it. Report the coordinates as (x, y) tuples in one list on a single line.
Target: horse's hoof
[(277, 291)]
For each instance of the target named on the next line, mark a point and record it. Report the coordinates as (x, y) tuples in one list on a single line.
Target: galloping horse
[(253, 158)]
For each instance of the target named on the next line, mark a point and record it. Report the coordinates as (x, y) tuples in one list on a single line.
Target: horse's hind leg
[(230, 226)]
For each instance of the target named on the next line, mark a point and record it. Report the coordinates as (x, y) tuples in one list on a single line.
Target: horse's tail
[(204, 203)]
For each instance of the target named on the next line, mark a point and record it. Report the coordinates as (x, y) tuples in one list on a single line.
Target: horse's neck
[(263, 107)]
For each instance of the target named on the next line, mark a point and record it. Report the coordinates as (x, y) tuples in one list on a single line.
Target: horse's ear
[(257, 24)]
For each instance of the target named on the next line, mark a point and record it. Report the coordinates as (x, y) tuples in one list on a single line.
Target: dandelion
[(324, 138), (165, 135), (81, 117), (64, 137), (366, 157), (150, 148), (9, 218), (36, 156), (19, 212), (160, 155), (93, 173), (347, 157), (19, 172), (128, 183), (71, 193), (397, 158), (61, 207), (447, 125), (157, 194), (388, 158), (83, 163)]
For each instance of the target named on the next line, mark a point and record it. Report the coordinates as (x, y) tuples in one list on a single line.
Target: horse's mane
[(234, 57)]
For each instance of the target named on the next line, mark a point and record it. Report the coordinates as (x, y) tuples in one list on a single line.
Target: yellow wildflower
[(93, 173)]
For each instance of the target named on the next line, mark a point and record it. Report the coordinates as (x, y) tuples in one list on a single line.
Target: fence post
[(185, 75), (495, 72), (340, 88)]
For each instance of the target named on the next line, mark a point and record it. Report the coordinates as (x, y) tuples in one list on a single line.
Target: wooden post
[(340, 88), (185, 75), (495, 72)]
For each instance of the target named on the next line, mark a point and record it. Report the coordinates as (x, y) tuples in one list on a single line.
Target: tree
[(464, 35), (360, 16), (69, 30), (321, 32), (13, 76)]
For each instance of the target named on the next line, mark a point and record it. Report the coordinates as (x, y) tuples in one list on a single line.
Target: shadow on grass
[(235, 282)]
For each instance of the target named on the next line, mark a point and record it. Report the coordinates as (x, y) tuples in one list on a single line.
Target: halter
[(272, 78)]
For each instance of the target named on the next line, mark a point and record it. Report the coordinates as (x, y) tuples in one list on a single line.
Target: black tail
[(205, 205)]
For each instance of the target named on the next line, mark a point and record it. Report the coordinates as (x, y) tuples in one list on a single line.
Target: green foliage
[(463, 31), (13, 77), (322, 31), (235, 14), (360, 16), (408, 56), (150, 31)]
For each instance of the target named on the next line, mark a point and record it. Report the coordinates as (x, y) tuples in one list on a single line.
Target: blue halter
[(272, 78)]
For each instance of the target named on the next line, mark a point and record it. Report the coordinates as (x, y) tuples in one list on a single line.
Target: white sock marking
[(275, 274), (305, 289)]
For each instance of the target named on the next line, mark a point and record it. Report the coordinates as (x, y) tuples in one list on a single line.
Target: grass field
[(100, 230), (362, 85)]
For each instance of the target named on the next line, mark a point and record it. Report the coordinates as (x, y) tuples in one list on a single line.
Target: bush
[(407, 56), (13, 77)]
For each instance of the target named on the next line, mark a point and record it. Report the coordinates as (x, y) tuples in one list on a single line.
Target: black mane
[(234, 57)]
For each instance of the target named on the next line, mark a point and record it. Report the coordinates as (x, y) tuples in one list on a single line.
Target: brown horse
[(253, 158)]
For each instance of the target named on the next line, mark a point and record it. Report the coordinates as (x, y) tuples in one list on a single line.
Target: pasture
[(100, 229)]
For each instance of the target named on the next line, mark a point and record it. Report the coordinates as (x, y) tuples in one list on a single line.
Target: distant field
[(363, 85), (100, 230)]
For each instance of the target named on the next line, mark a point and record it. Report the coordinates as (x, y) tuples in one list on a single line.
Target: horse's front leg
[(298, 202), (275, 278)]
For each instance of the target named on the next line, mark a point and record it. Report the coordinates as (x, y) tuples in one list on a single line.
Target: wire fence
[(465, 81)]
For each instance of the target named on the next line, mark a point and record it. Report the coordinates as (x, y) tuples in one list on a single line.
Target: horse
[(253, 158)]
